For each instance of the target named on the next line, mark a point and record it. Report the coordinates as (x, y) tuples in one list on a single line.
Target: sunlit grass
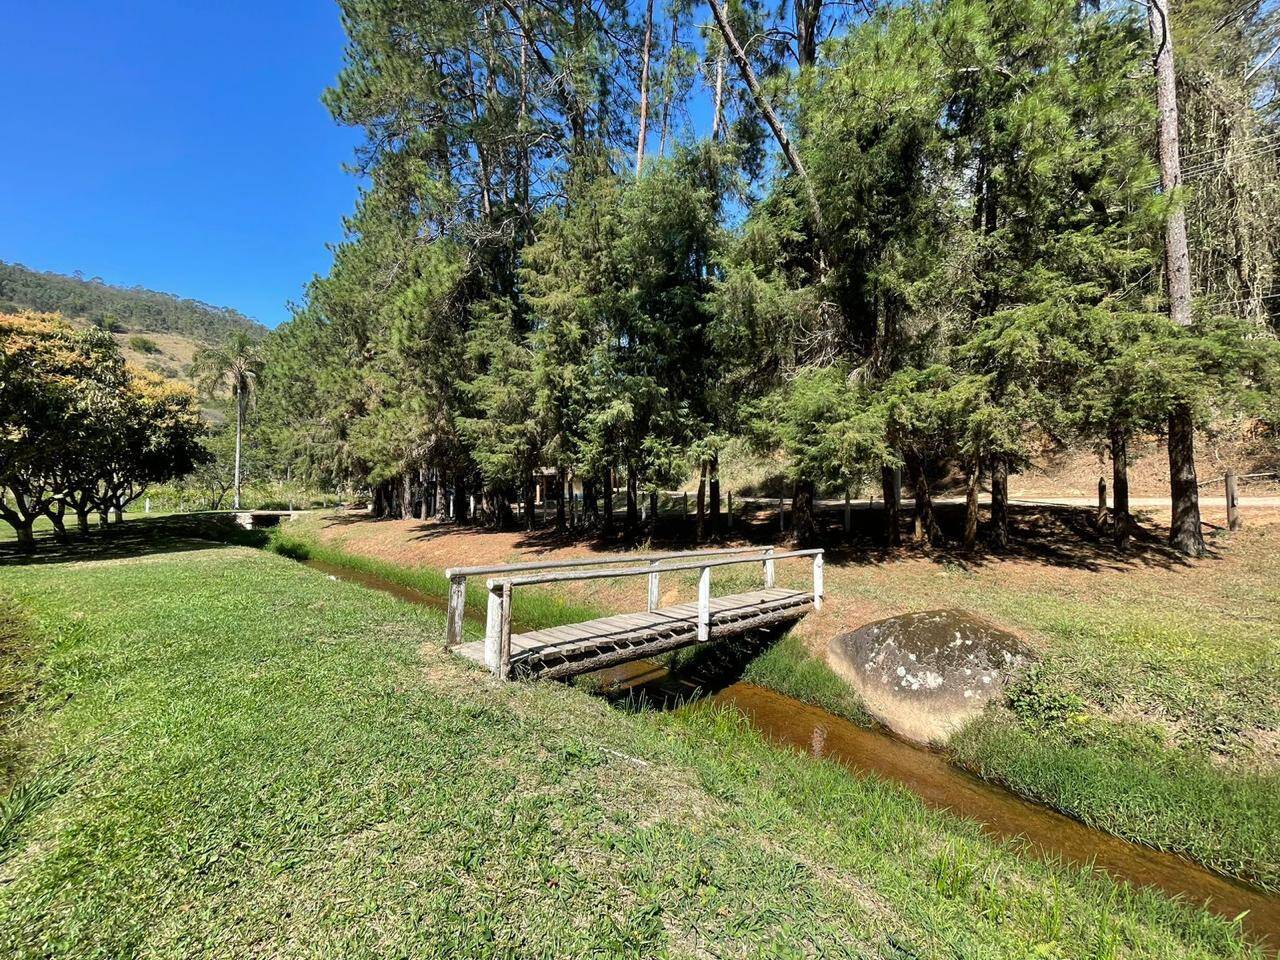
[(247, 757)]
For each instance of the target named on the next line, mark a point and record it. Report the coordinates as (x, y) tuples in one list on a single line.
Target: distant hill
[(119, 309)]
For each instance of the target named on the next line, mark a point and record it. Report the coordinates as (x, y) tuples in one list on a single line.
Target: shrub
[(143, 345)]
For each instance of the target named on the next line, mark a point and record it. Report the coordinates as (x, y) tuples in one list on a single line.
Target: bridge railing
[(458, 576), (497, 640)]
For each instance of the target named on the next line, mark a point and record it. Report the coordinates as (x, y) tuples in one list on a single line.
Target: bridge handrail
[(497, 638), (457, 576), (453, 572), (641, 571)]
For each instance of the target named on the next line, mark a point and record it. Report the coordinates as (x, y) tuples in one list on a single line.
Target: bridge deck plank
[(557, 650)]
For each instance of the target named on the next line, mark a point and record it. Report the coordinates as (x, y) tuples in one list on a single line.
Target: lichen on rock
[(924, 675)]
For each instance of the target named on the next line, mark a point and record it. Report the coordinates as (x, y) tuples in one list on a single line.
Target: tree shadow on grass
[(134, 538)]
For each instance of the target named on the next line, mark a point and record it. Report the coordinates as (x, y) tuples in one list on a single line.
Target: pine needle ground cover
[(227, 753)]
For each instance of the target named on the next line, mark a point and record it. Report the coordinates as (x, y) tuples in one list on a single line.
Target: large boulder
[(924, 675)]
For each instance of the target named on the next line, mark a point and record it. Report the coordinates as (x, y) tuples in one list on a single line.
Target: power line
[(1227, 145), (1206, 166), (1231, 303)]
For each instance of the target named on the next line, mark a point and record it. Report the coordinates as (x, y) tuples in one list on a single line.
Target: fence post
[(704, 605), (493, 629), (730, 509), (782, 515), (818, 589), (504, 633), (1233, 502), (768, 567), (686, 505), (457, 604), (653, 586), (1102, 501)]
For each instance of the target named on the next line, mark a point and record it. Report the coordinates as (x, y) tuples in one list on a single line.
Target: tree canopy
[(910, 238)]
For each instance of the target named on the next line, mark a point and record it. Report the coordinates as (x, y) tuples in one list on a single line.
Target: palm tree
[(236, 365)]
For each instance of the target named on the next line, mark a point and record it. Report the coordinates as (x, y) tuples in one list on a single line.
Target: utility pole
[(1185, 533)]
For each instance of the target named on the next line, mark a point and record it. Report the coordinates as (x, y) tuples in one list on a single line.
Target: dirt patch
[(1241, 448)]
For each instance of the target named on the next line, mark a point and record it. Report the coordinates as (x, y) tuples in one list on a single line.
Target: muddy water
[(1042, 832), (375, 582)]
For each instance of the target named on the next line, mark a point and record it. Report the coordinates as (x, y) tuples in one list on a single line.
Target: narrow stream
[(1042, 832)]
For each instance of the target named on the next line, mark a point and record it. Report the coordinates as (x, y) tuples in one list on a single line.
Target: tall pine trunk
[(889, 491), (1120, 486), (590, 503), (633, 506), (608, 501), (644, 87), (804, 525), (702, 503), (971, 504), (715, 496), (460, 498), (560, 515), (530, 501), (1185, 533), (926, 524), (1000, 501), (442, 496)]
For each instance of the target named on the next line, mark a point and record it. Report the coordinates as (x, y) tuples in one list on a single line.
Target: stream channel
[(1039, 831)]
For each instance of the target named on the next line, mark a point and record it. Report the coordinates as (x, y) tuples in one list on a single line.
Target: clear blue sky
[(180, 146)]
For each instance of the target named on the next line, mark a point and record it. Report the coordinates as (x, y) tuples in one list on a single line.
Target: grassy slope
[(254, 758), (1157, 696), (1142, 684)]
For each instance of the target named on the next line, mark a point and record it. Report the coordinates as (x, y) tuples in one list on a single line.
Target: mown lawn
[(229, 754)]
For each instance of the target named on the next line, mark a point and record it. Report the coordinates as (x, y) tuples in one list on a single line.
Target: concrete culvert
[(924, 675)]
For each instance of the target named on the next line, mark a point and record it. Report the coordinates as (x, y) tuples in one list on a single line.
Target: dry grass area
[(1242, 450)]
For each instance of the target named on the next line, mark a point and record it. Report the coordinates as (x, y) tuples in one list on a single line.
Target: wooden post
[(1102, 501), (457, 604), (848, 513), (686, 505), (730, 514), (1233, 502), (653, 586), (704, 605), (818, 589), (504, 634), (493, 629), (782, 514), (768, 567)]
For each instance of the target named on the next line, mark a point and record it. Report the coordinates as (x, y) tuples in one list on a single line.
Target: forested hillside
[(607, 239), (119, 309)]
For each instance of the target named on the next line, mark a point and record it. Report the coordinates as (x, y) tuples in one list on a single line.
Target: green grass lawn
[(229, 754)]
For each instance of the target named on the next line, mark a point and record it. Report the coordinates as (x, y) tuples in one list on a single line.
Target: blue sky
[(180, 146)]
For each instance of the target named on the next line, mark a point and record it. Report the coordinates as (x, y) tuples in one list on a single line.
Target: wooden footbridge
[(581, 647)]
